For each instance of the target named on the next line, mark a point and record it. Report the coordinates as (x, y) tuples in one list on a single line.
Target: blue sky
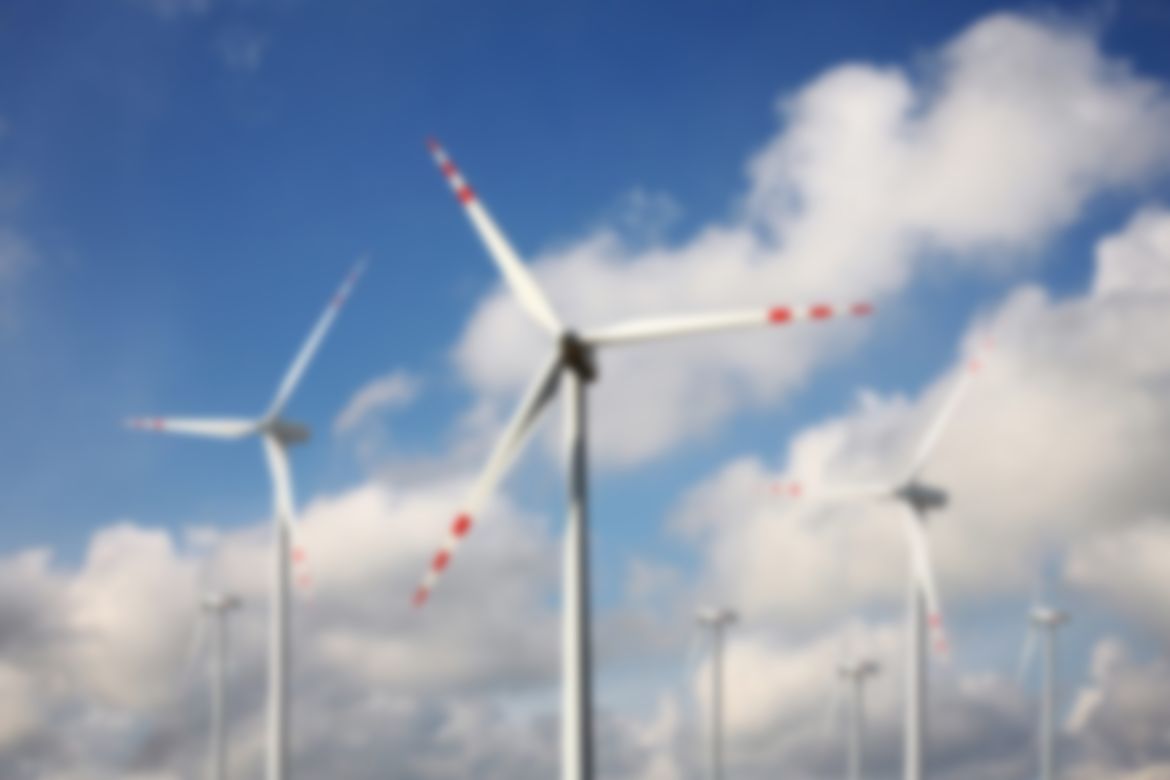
[(191, 216), (191, 179)]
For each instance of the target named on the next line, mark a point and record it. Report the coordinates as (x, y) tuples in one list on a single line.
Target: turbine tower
[(217, 609), (916, 499), (853, 676), (718, 621), (276, 434), (573, 365), (1045, 623)]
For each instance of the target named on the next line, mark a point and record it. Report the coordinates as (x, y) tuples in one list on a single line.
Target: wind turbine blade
[(206, 427), (518, 278), (1026, 654), (656, 328), (835, 493), (296, 370), (923, 567), (933, 433), (509, 445)]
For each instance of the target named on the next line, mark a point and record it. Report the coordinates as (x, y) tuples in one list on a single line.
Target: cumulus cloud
[(979, 157), (392, 391), (1062, 439)]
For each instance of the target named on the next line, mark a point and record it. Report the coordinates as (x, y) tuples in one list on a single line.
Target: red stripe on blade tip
[(779, 315), (461, 525), (441, 559), (822, 311), (862, 309), (465, 194)]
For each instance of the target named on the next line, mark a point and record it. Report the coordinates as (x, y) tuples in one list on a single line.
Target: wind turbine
[(718, 621), (1045, 621), (853, 676), (917, 499), (573, 363), (215, 609), (276, 434)]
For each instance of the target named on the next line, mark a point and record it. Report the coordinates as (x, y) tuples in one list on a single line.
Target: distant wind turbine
[(853, 676), (215, 610), (916, 499), (276, 434), (718, 621), (573, 362), (1045, 622)]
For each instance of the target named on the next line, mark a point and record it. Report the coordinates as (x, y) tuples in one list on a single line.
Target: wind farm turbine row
[(570, 367)]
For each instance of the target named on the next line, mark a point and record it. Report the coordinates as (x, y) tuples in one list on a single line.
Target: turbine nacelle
[(287, 432), (859, 669), (923, 498), (221, 602), (1047, 617), (579, 356)]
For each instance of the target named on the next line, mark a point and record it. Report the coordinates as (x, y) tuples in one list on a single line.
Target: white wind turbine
[(1044, 622), (917, 499), (717, 621), (215, 610), (276, 434), (852, 676), (573, 363)]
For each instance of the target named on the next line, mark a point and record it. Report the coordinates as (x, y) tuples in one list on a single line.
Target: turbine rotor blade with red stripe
[(205, 427), (312, 343), (508, 447), (655, 328), (532, 299), (922, 565)]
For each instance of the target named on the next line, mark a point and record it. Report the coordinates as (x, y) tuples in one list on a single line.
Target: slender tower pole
[(217, 685), (915, 680), (1048, 622), (218, 608), (856, 675), (718, 621), (577, 690), (853, 746), (278, 639)]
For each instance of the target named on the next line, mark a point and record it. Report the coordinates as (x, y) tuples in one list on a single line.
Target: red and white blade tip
[(938, 633), (460, 527), (790, 489), (782, 315), (146, 423), (459, 185)]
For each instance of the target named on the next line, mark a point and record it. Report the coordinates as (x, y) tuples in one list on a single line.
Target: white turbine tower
[(1045, 621), (215, 610), (573, 363), (916, 499), (718, 621), (277, 435), (853, 676)]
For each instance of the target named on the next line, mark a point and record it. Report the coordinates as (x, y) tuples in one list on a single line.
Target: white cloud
[(1000, 140), (1063, 437), (389, 392)]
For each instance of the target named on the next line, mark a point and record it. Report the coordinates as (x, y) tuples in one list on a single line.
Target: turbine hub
[(578, 356), (923, 498), (289, 433)]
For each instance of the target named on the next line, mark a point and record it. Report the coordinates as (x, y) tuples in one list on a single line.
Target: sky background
[(183, 184)]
